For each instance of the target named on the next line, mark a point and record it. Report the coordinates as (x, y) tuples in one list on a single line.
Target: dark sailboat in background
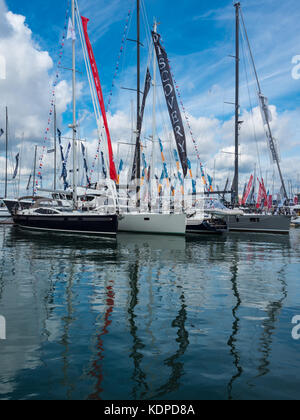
[(267, 223)]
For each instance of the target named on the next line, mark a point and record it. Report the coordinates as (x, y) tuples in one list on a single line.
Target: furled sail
[(140, 123), (112, 168), (171, 99)]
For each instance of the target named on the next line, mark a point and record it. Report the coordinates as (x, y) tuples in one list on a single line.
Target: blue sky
[(199, 37)]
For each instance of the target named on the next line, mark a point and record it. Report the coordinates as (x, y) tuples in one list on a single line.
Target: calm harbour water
[(149, 317)]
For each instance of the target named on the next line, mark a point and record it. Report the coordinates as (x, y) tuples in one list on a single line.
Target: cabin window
[(254, 220), (45, 211), (147, 219)]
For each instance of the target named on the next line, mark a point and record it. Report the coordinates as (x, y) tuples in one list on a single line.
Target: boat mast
[(235, 193), (54, 184), (152, 174), (138, 161), (74, 108), (6, 152)]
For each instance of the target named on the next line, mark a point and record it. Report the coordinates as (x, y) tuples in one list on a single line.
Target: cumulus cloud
[(26, 88)]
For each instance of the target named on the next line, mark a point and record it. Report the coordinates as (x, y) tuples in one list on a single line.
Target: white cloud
[(26, 89)]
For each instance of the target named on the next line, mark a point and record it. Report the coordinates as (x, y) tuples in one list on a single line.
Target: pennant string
[(52, 101)]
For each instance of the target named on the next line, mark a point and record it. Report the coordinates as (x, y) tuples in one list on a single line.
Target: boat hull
[(259, 223), (99, 225), (198, 227), (12, 205), (4, 214), (296, 222), (157, 224)]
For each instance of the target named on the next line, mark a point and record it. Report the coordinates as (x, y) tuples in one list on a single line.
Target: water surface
[(149, 317)]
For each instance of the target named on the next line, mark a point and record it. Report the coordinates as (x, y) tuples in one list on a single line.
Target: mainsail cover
[(140, 124), (112, 168), (171, 99)]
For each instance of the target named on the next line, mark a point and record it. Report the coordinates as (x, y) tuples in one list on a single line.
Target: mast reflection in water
[(148, 317)]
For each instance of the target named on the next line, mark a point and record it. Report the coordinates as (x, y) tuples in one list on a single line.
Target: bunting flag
[(52, 101), (210, 183), (112, 168), (71, 31), (145, 168), (248, 190), (121, 165), (85, 164), (178, 171), (17, 166), (194, 185), (1, 132), (171, 100), (165, 170), (140, 124)]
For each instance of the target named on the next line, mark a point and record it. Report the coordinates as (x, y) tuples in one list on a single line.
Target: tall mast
[(138, 162), (154, 116), (54, 184), (235, 196), (74, 109), (6, 152)]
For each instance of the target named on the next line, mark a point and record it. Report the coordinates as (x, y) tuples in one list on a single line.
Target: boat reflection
[(82, 311)]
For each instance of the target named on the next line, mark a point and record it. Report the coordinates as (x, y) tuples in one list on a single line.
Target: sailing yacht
[(49, 214), (138, 221), (243, 222)]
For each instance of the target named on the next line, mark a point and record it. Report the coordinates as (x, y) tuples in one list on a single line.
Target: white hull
[(4, 214), (162, 224), (296, 222)]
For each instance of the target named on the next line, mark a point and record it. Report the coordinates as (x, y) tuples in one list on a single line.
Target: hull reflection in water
[(148, 317)]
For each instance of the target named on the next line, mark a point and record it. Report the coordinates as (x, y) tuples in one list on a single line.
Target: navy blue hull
[(76, 224)]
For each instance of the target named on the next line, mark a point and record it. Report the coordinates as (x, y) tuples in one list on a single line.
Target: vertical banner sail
[(112, 168), (171, 99), (140, 123), (248, 190)]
